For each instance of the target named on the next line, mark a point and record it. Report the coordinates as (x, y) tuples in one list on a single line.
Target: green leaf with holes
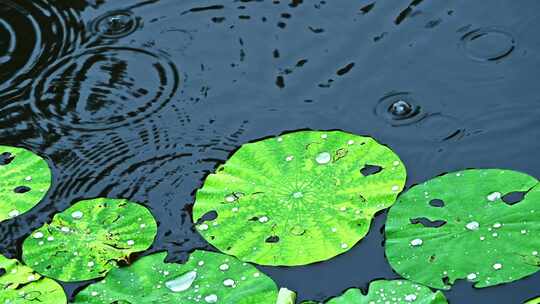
[(21, 285), (466, 225), (299, 198), (207, 277), (88, 239), (391, 292), (25, 178)]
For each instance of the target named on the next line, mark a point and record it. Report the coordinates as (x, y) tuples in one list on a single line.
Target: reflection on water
[(142, 99)]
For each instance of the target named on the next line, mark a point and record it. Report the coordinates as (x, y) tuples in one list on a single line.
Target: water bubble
[(323, 158), (472, 225), (182, 283), (416, 242), (399, 109), (488, 44), (115, 24)]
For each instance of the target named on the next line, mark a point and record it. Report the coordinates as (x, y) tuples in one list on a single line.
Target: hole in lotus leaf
[(6, 158), (514, 197), (427, 222), (272, 239), (207, 217), (206, 276), (311, 194), (484, 240), (370, 170), (381, 291), (22, 285), (21, 189), (89, 239), (25, 172), (436, 203)]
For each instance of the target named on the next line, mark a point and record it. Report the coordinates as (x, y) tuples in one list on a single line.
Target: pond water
[(143, 99)]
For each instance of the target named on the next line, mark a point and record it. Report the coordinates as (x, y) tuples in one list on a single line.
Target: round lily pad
[(477, 225), (299, 198), (21, 285), (25, 178), (88, 239), (207, 277), (391, 292), (533, 301)]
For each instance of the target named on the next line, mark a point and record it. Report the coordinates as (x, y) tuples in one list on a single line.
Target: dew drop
[(344, 246), (298, 195), (38, 235), (13, 213), (472, 225), (535, 253), (497, 266), (263, 219), (28, 178), (224, 267), (400, 108), (230, 198), (298, 230), (65, 229), (77, 215), (229, 283), (289, 158), (203, 227), (211, 298), (417, 242), (410, 298), (182, 283), (494, 196), (497, 225), (471, 276), (130, 242), (350, 142), (323, 158)]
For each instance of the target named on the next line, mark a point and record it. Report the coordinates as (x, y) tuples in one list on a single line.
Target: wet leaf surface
[(298, 198), (207, 277), (25, 178), (19, 284), (484, 239), (89, 239)]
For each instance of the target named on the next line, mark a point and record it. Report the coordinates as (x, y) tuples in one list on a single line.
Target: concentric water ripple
[(33, 34), (115, 24), (399, 109), (104, 88), (488, 44)]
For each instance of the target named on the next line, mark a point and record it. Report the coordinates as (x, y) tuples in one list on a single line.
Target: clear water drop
[(182, 283), (323, 158), (400, 108), (211, 298)]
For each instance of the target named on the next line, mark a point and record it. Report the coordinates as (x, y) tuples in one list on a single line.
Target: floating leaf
[(299, 198), (21, 285), (466, 225), (391, 292), (533, 301), (207, 277), (25, 178), (86, 241)]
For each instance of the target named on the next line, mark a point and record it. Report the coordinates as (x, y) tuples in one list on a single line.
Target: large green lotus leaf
[(299, 198), (207, 277), (533, 301), (25, 178), (21, 285), (463, 226), (391, 292), (86, 240)]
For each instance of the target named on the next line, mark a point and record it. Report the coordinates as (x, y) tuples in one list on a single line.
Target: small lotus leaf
[(21, 285), (391, 292), (207, 277), (472, 225), (299, 198), (88, 239), (25, 178)]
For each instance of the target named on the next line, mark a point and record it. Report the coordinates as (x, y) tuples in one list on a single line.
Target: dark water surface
[(142, 99)]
